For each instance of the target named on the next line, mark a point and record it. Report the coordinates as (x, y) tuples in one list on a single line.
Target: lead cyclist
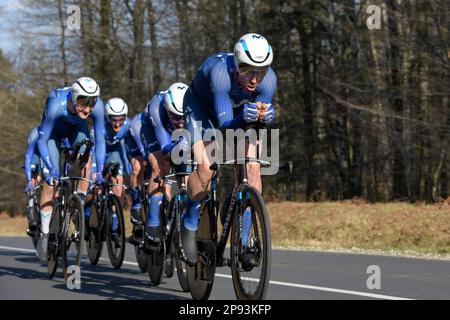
[(229, 91), (66, 112)]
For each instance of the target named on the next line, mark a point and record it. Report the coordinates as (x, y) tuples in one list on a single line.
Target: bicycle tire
[(201, 277), (53, 241), (156, 258), (36, 232), (116, 255), (94, 245), (179, 264), (181, 272), (155, 264), (169, 263), (75, 214), (260, 219), (138, 234)]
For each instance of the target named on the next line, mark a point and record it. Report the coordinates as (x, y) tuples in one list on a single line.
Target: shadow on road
[(100, 280)]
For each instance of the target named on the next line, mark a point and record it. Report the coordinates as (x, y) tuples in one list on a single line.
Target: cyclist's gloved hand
[(52, 177), (269, 115), (250, 112), (29, 188)]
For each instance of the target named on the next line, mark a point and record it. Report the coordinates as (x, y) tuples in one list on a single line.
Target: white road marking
[(279, 283)]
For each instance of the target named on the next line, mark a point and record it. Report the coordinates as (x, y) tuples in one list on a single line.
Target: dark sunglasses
[(249, 72), (175, 117), (84, 101), (117, 119)]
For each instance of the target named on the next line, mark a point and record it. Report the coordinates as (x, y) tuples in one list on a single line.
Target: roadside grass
[(400, 227), (349, 225)]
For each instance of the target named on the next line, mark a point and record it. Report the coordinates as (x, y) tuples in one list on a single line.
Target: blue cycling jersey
[(112, 137), (31, 150), (158, 119), (217, 88), (57, 119), (116, 149)]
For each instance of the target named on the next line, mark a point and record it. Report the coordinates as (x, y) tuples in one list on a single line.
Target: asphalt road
[(295, 275)]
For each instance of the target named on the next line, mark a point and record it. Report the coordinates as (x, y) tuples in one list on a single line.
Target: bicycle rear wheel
[(116, 248), (54, 241), (201, 276), (251, 282), (73, 235), (181, 270), (94, 244)]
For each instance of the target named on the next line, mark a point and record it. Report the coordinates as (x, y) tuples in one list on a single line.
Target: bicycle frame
[(66, 186), (180, 198), (240, 171)]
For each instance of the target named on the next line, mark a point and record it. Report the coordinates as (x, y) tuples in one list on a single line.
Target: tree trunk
[(156, 64), (62, 43)]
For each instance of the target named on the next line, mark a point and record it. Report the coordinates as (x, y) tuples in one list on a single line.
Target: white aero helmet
[(86, 87), (116, 107), (173, 99), (254, 50)]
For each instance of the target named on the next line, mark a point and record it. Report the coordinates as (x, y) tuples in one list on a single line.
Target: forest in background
[(362, 113)]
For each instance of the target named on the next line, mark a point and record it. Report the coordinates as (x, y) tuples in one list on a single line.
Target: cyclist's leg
[(90, 194), (254, 168), (197, 120), (160, 167), (79, 133), (254, 180), (136, 177), (46, 201), (35, 180)]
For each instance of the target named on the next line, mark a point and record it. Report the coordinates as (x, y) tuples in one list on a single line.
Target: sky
[(9, 10)]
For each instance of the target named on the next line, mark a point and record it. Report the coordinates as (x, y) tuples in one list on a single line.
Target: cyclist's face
[(177, 121), (84, 106), (250, 77), (116, 122)]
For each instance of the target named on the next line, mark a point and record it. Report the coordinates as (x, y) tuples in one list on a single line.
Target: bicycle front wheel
[(94, 243), (156, 256), (73, 235), (115, 231), (200, 277), (251, 247), (54, 240), (36, 231)]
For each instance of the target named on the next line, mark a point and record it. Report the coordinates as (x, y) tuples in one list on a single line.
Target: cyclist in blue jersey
[(229, 91), (120, 148), (66, 112), (152, 131), (33, 172)]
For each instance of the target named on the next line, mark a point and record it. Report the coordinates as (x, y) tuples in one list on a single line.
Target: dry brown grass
[(334, 225), (356, 224)]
